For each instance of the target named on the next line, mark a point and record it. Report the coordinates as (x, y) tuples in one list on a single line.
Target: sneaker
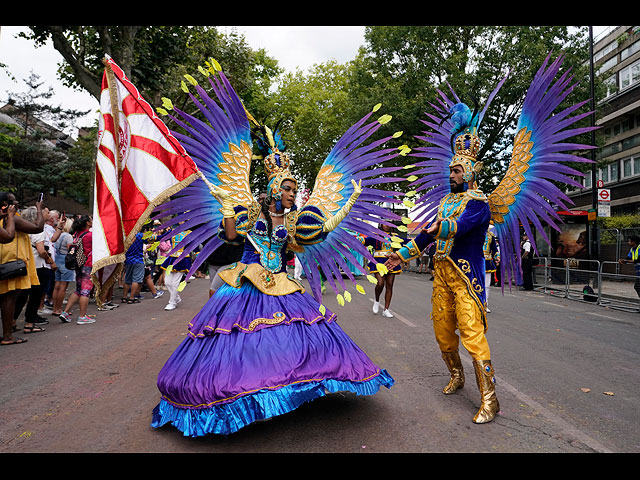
[(40, 320), (488, 310), (170, 306), (387, 313), (111, 304), (85, 320), (139, 297), (65, 317), (158, 294), (376, 307), (105, 308), (45, 311), (178, 300)]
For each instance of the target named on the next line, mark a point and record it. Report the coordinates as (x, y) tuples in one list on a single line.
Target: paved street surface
[(567, 381)]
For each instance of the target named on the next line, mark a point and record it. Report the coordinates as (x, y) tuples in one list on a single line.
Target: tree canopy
[(398, 66)]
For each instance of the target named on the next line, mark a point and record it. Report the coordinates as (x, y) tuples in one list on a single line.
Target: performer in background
[(491, 260), (381, 250), (262, 346), (455, 213)]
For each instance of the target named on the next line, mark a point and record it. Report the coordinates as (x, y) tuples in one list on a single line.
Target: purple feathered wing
[(351, 159), (528, 195)]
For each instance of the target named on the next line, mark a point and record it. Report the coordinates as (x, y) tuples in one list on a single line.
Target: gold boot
[(452, 360), (486, 385)]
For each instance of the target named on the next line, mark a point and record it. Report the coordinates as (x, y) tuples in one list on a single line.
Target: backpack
[(75, 257), (588, 294)]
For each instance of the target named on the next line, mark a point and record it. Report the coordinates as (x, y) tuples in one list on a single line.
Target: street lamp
[(594, 193)]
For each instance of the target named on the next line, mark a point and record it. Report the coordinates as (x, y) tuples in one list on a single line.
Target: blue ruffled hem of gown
[(229, 418)]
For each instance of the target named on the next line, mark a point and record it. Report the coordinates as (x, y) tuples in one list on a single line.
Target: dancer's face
[(455, 179), (289, 192)]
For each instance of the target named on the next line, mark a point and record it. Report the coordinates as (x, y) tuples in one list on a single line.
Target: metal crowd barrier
[(567, 278)]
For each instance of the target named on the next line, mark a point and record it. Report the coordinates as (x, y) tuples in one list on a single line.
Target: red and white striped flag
[(138, 166)]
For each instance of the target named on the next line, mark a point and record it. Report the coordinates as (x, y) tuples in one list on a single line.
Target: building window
[(613, 172), (631, 167), (630, 50), (627, 168), (630, 142), (611, 85), (609, 173), (630, 75), (601, 53), (612, 62)]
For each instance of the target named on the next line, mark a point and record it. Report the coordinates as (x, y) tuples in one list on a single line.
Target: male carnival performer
[(459, 270), (525, 195)]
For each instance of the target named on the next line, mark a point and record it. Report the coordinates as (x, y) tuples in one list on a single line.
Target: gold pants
[(454, 308)]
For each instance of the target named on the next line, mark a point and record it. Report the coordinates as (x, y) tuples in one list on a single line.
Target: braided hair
[(265, 211)]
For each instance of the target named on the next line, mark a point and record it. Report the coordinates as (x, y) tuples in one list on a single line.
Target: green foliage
[(619, 221), (312, 107), (402, 66), (29, 152)]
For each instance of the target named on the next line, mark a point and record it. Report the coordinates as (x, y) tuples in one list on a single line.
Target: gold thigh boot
[(452, 360), (486, 385)]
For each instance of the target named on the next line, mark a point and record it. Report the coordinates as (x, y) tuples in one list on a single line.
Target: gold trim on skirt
[(264, 280)]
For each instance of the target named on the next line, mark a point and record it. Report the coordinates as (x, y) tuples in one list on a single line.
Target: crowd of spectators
[(46, 290)]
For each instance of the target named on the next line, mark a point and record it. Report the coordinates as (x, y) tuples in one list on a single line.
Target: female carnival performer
[(385, 278), (261, 346)]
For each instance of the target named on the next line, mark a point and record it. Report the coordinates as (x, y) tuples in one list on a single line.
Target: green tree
[(312, 108), (154, 57), (78, 169), (31, 151), (403, 66)]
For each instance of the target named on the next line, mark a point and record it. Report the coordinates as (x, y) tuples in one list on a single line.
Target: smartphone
[(41, 197)]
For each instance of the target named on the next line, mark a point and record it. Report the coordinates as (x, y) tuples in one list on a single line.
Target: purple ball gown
[(259, 348)]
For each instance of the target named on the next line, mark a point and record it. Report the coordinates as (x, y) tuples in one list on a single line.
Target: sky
[(293, 46)]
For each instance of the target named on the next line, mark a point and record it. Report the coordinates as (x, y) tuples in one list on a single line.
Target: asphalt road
[(567, 381)]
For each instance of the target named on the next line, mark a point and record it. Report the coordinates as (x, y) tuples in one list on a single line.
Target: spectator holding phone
[(7, 220)]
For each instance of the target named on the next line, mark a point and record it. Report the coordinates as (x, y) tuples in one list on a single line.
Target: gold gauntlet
[(223, 197), (227, 208), (334, 221)]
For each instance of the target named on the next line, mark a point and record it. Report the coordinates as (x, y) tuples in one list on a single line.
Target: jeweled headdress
[(465, 142), (466, 148), (276, 162)]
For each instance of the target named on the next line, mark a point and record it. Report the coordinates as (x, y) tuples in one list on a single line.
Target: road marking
[(589, 313), (555, 304), (559, 422), (399, 317), (603, 316)]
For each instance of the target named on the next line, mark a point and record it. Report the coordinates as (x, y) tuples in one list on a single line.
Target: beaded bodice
[(269, 248)]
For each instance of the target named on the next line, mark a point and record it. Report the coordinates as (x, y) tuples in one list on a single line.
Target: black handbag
[(13, 269)]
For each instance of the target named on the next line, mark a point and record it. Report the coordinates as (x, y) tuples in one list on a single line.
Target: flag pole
[(113, 97)]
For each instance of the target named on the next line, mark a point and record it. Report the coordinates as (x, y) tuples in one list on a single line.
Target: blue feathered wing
[(529, 194), (432, 175), (221, 147), (529, 191), (350, 159)]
